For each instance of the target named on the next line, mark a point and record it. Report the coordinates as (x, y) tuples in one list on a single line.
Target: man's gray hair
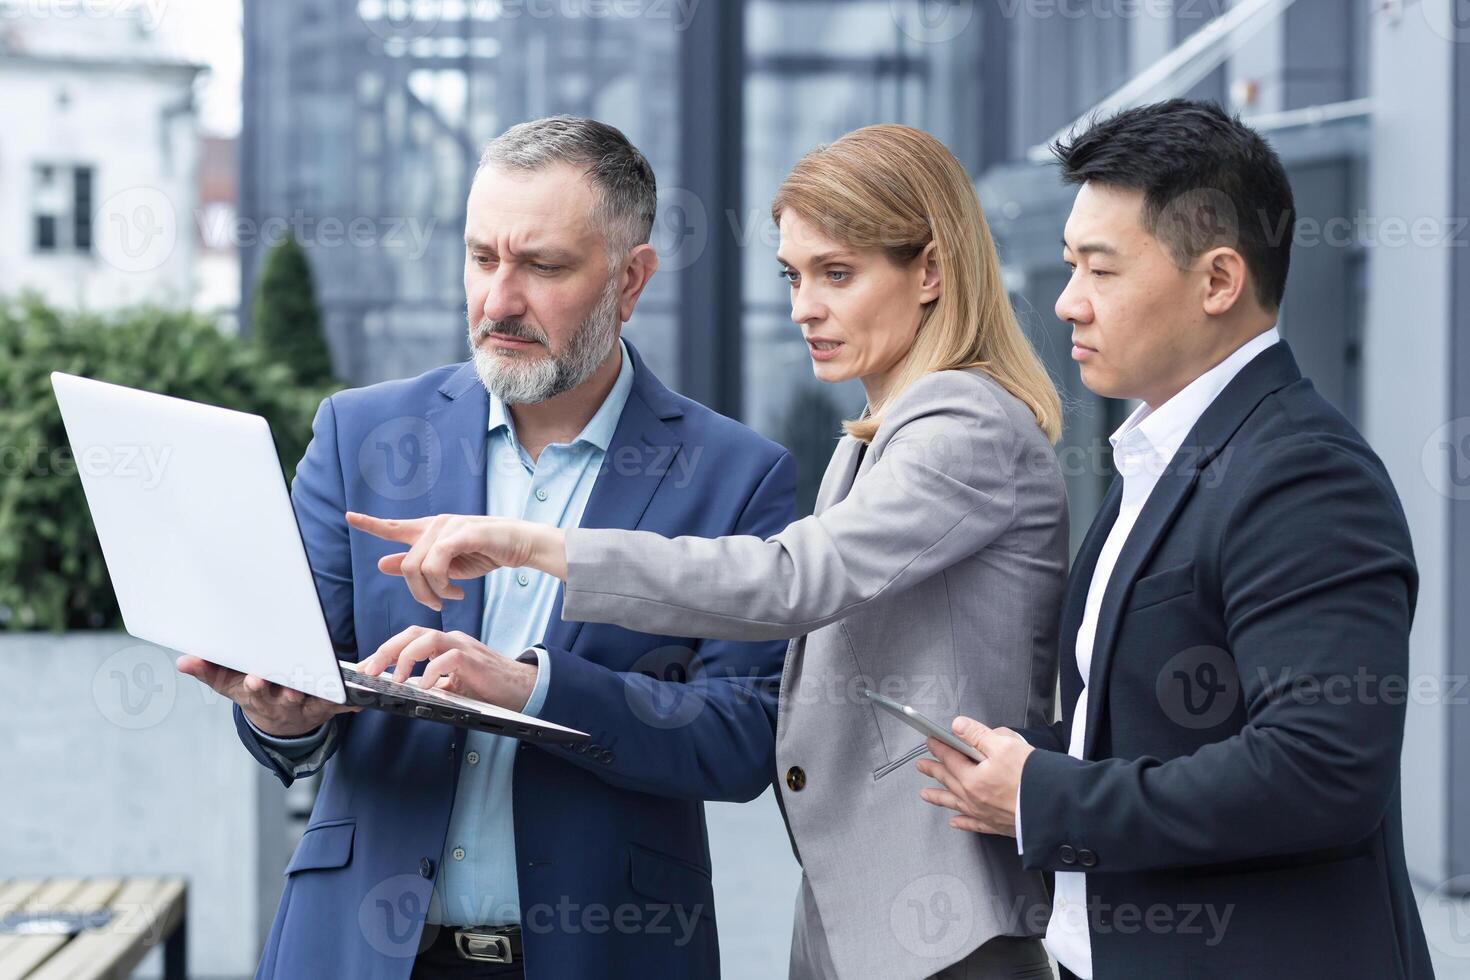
[(627, 193)]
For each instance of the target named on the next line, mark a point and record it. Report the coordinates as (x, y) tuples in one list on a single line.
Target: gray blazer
[(932, 572)]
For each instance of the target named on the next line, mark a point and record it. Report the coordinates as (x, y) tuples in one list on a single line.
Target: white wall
[(1406, 375), (122, 118)]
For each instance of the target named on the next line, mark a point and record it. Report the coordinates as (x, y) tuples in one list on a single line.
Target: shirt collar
[(1157, 434), (600, 428)]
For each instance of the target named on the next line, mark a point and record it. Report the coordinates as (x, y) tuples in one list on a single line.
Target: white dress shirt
[(1143, 446)]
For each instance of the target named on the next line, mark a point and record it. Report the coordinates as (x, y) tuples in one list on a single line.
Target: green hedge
[(52, 576)]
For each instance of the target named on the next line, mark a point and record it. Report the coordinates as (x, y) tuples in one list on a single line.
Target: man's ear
[(1226, 279), (931, 286), (638, 268)]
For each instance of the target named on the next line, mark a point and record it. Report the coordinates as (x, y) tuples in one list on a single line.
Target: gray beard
[(514, 377)]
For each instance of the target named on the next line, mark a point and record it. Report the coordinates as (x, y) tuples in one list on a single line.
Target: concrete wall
[(116, 764), (1406, 380)]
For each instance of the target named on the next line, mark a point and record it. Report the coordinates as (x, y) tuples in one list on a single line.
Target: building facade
[(376, 110), (98, 159)]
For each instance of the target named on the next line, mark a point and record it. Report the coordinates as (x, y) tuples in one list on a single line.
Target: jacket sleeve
[(941, 489), (695, 723), (319, 500), (1317, 580)]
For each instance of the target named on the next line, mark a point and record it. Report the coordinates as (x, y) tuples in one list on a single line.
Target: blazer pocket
[(668, 879), (907, 757), (1162, 586), (327, 845)]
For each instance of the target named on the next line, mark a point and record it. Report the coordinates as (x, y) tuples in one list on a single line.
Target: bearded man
[(437, 852)]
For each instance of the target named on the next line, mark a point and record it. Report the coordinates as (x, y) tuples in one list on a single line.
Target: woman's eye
[(838, 275), (1099, 273), (790, 275)]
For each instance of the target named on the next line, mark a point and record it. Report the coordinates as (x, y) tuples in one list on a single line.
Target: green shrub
[(284, 318), (52, 576)]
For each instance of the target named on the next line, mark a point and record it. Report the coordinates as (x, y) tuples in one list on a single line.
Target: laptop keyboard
[(408, 692)]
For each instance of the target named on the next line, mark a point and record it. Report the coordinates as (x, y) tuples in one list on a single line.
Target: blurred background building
[(360, 123), (379, 108), (97, 122)]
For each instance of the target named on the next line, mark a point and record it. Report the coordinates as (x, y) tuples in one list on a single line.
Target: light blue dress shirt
[(477, 883)]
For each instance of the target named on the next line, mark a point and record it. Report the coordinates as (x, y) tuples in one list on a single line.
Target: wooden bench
[(145, 912)]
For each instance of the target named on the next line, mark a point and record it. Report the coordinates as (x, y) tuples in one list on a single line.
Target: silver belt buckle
[(485, 947)]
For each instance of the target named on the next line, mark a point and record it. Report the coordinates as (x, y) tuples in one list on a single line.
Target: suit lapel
[(460, 425), (1075, 601), (1270, 371), (1157, 514), (841, 472), (622, 493)]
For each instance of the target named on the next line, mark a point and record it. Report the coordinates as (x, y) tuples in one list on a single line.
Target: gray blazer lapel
[(841, 471)]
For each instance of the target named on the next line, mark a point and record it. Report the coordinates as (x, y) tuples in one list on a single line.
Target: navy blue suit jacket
[(612, 857), (1236, 809)]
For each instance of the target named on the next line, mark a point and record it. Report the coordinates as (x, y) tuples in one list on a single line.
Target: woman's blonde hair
[(898, 188)]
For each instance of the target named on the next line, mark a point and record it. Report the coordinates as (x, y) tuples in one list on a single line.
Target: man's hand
[(460, 546), (983, 794), (275, 710), (458, 663)]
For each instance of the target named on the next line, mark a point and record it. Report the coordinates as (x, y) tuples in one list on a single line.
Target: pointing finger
[(403, 531)]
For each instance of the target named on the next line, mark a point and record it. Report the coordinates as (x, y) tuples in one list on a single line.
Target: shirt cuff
[(291, 745), (301, 755), (1019, 848), (543, 680)]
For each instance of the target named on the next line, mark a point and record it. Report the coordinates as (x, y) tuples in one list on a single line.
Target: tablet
[(921, 723)]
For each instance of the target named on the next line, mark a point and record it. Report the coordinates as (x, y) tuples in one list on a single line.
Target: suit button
[(426, 868), (1067, 855), (1086, 858), (795, 778)]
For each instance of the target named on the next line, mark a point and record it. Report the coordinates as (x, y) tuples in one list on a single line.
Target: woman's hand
[(459, 546)]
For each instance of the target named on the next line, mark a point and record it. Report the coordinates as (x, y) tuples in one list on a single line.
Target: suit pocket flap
[(669, 879), (324, 846), (1168, 584)]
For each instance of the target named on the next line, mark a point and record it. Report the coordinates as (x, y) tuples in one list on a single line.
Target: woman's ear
[(931, 285)]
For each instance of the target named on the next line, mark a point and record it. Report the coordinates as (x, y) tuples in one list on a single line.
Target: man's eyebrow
[(1088, 248), (534, 254)]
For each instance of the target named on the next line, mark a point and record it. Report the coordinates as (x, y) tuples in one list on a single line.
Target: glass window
[(61, 206)]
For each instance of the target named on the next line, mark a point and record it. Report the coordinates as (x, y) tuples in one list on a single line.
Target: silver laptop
[(206, 558)]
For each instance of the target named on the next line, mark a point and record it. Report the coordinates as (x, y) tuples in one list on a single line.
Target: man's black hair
[(1207, 180)]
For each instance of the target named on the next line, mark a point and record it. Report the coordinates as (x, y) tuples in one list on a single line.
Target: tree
[(285, 319)]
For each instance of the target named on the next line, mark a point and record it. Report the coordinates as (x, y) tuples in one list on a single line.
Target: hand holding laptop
[(275, 710), (198, 554)]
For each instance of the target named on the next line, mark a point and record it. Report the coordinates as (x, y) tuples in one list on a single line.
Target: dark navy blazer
[(1236, 809)]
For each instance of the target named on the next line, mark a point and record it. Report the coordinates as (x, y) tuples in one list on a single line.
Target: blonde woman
[(930, 572)]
